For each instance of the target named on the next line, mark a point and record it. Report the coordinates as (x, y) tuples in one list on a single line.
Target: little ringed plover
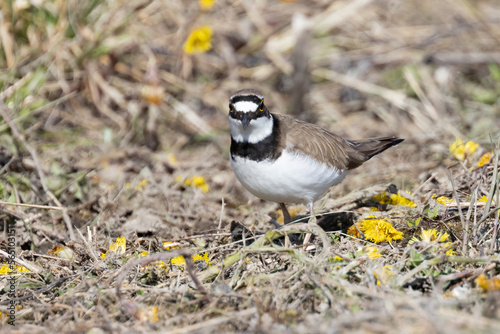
[(281, 159)]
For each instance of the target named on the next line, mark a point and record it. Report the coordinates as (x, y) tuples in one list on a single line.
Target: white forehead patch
[(245, 106)]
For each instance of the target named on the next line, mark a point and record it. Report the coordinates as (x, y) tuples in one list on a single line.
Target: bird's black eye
[(261, 105), (231, 109)]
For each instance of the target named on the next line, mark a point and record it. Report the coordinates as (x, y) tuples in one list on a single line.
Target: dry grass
[(104, 117)]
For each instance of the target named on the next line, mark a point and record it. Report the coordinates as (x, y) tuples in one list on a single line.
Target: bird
[(282, 159)]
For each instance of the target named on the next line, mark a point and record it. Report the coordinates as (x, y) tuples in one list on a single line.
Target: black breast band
[(267, 148)]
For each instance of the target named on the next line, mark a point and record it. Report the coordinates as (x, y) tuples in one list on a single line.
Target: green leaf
[(494, 71), (431, 213), (414, 223), (416, 258), (3, 191)]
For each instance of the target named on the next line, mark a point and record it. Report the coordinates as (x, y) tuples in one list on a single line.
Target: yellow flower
[(488, 284), (202, 257), (383, 275), (199, 182), (376, 230), (6, 315), (471, 147), (141, 185), (168, 245), (161, 265), (335, 259), (393, 199), (294, 211), (485, 158), (62, 252), (379, 230), (22, 269), (172, 159), (373, 252), (206, 5), (449, 248), (444, 200), (148, 313), (483, 199), (178, 261), (429, 235), (195, 181), (117, 247), (353, 230), (5, 270), (199, 40), (432, 236), (461, 151)]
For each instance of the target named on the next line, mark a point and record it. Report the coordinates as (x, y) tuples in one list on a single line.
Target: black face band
[(250, 115)]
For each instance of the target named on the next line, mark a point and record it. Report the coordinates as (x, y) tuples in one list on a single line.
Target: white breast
[(292, 178)]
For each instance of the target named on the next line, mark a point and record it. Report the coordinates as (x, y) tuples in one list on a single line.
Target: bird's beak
[(245, 120)]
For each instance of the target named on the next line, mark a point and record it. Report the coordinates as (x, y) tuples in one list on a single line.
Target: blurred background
[(125, 102)]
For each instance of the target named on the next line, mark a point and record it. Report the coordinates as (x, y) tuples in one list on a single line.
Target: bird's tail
[(370, 147)]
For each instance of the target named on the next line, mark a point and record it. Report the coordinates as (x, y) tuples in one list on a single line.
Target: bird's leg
[(312, 220), (286, 215), (286, 220)]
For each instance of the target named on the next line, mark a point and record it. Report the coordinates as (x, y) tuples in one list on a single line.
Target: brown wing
[(319, 143), (326, 146)]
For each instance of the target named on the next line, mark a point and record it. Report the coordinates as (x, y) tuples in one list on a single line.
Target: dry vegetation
[(109, 128)]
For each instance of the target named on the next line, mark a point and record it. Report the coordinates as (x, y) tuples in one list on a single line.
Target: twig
[(495, 228), (4, 168), (220, 218), (8, 91), (300, 76), (465, 225), (430, 178), (470, 58), (465, 204), (494, 184), (33, 206), (466, 273), (492, 187), (488, 214), (91, 250)]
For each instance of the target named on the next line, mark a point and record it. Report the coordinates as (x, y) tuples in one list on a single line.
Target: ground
[(121, 213)]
